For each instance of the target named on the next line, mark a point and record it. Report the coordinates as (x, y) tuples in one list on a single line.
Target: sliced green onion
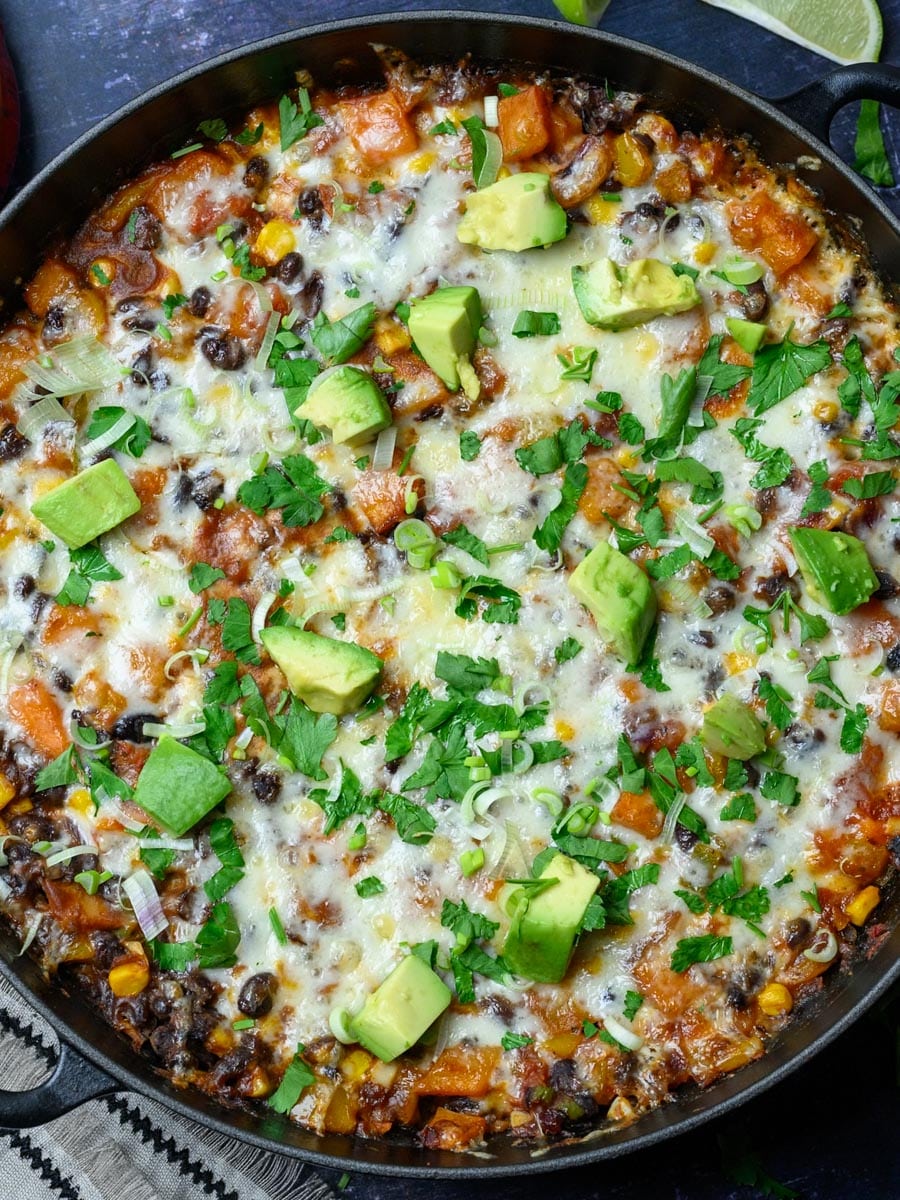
[(151, 729), (744, 518), (471, 861), (62, 856), (742, 271), (549, 799), (91, 880), (339, 1023), (277, 927), (190, 622), (445, 575), (414, 535)]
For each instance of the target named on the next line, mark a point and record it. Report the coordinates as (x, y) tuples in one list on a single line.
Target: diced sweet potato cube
[(762, 226), (889, 717), (449, 1130), (74, 909), (636, 810), (460, 1071), (382, 497), (524, 123), (674, 183), (378, 127)]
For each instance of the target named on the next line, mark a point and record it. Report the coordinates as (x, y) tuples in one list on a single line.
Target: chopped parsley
[(776, 462), (567, 650), (224, 846), (515, 1041), (819, 497), (236, 633)]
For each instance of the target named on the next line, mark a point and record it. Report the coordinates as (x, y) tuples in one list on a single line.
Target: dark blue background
[(832, 1131)]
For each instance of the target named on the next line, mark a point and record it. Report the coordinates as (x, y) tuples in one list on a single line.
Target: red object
[(9, 115)]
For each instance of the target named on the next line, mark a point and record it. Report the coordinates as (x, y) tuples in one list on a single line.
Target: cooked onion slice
[(143, 898)]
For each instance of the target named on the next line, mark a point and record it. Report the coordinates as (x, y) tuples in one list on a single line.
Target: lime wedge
[(847, 32), (583, 12)]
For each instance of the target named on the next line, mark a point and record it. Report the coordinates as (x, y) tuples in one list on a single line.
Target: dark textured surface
[(830, 1131)]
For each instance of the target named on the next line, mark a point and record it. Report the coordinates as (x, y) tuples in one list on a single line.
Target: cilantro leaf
[(633, 1001), (515, 1041), (567, 650), (781, 788), (337, 341), (236, 634), (549, 534), (216, 130), (401, 733), (88, 565), (414, 823), (370, 886), (853, 730), (63, 770), (469, 445), (871, 159), (677, 397), (203, 576), (776, 462), (776, 698), (172, 956), (535, 324), (467, 925), (875, 483), (306, 738), (724, 376), (133, 441), (615, 894), (296, 120), (295, 488), (781, 368), (739, 808), (298, 1077), (350, 801), (219, 938), (443, 771), (706, 948), (224, 846), (464, 674), (590, 851), (819, 497), (502, 602), (464, 540)]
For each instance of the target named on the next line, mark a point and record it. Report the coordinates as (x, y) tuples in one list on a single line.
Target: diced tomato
[(378, 127), (524, 123)]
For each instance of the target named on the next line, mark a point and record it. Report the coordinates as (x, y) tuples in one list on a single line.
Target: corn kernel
[(503, 172), (391, 336), (563, 1045), (220, 1040), (260, 1084), (564, 731), (735, 663), (825, 411), (130, 978), (627, 458), (355, 1065), (422, 163), (274, 241), (600, 211), (704, 252), (517, 1119), (80, 800), (862, 905), (383, 1073), (7, 791), (384, 925), (775, 1000), (620, 1110), (633, 162)]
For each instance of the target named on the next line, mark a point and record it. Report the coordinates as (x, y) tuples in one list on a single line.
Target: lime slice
[(847, 32), (583, 12)]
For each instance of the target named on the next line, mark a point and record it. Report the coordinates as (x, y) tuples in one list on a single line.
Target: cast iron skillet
[(92, 1061)]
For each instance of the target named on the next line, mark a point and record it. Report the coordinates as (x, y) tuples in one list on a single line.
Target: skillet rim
[(446, 1165)]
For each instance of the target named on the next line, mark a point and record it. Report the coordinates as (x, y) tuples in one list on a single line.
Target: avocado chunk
[(400, 1009), (545, 923), (90, 503), (619, 596), (349, 403), (445, 328), (327, 675), (515, 213), (615, 297), (178, 786), (748, 334), (730, 727), (835, 568)]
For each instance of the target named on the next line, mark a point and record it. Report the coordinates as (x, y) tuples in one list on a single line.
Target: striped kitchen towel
[(124, 1147)]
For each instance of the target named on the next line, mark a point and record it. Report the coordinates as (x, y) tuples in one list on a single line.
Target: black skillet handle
[(74, 1080), (814, 106)]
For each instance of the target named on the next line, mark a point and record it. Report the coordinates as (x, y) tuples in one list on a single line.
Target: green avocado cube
[(444, 327), (748, 334), (178, 786), (730, 727), (544, 926), (90, 503), (329, 676), (349, 403), (615, 297), (835, 568), (401, 1009), (619, 596), (515, 213)]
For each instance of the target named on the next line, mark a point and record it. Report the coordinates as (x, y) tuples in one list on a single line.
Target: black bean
[(892, 662), (685, 838), (32, 827), (702, 637), (887, 586), (61, 679), (563, 1077), (312, 296), (255, 998), (204, 489), (145, 231), (797, 931), (770, 587), (39, 602), (107, 948), (199, 303), (141, 367), (256, 172), (24, 586), (802, 737), (266, 787), (310, 201), (224, 351), (720, 598), (288, 269), (159, 380), (754, 303), (130, 728), (735, 997), (12, 444), (54, 322)]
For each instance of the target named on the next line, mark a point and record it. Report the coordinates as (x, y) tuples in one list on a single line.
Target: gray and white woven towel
[(124, 1147)]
